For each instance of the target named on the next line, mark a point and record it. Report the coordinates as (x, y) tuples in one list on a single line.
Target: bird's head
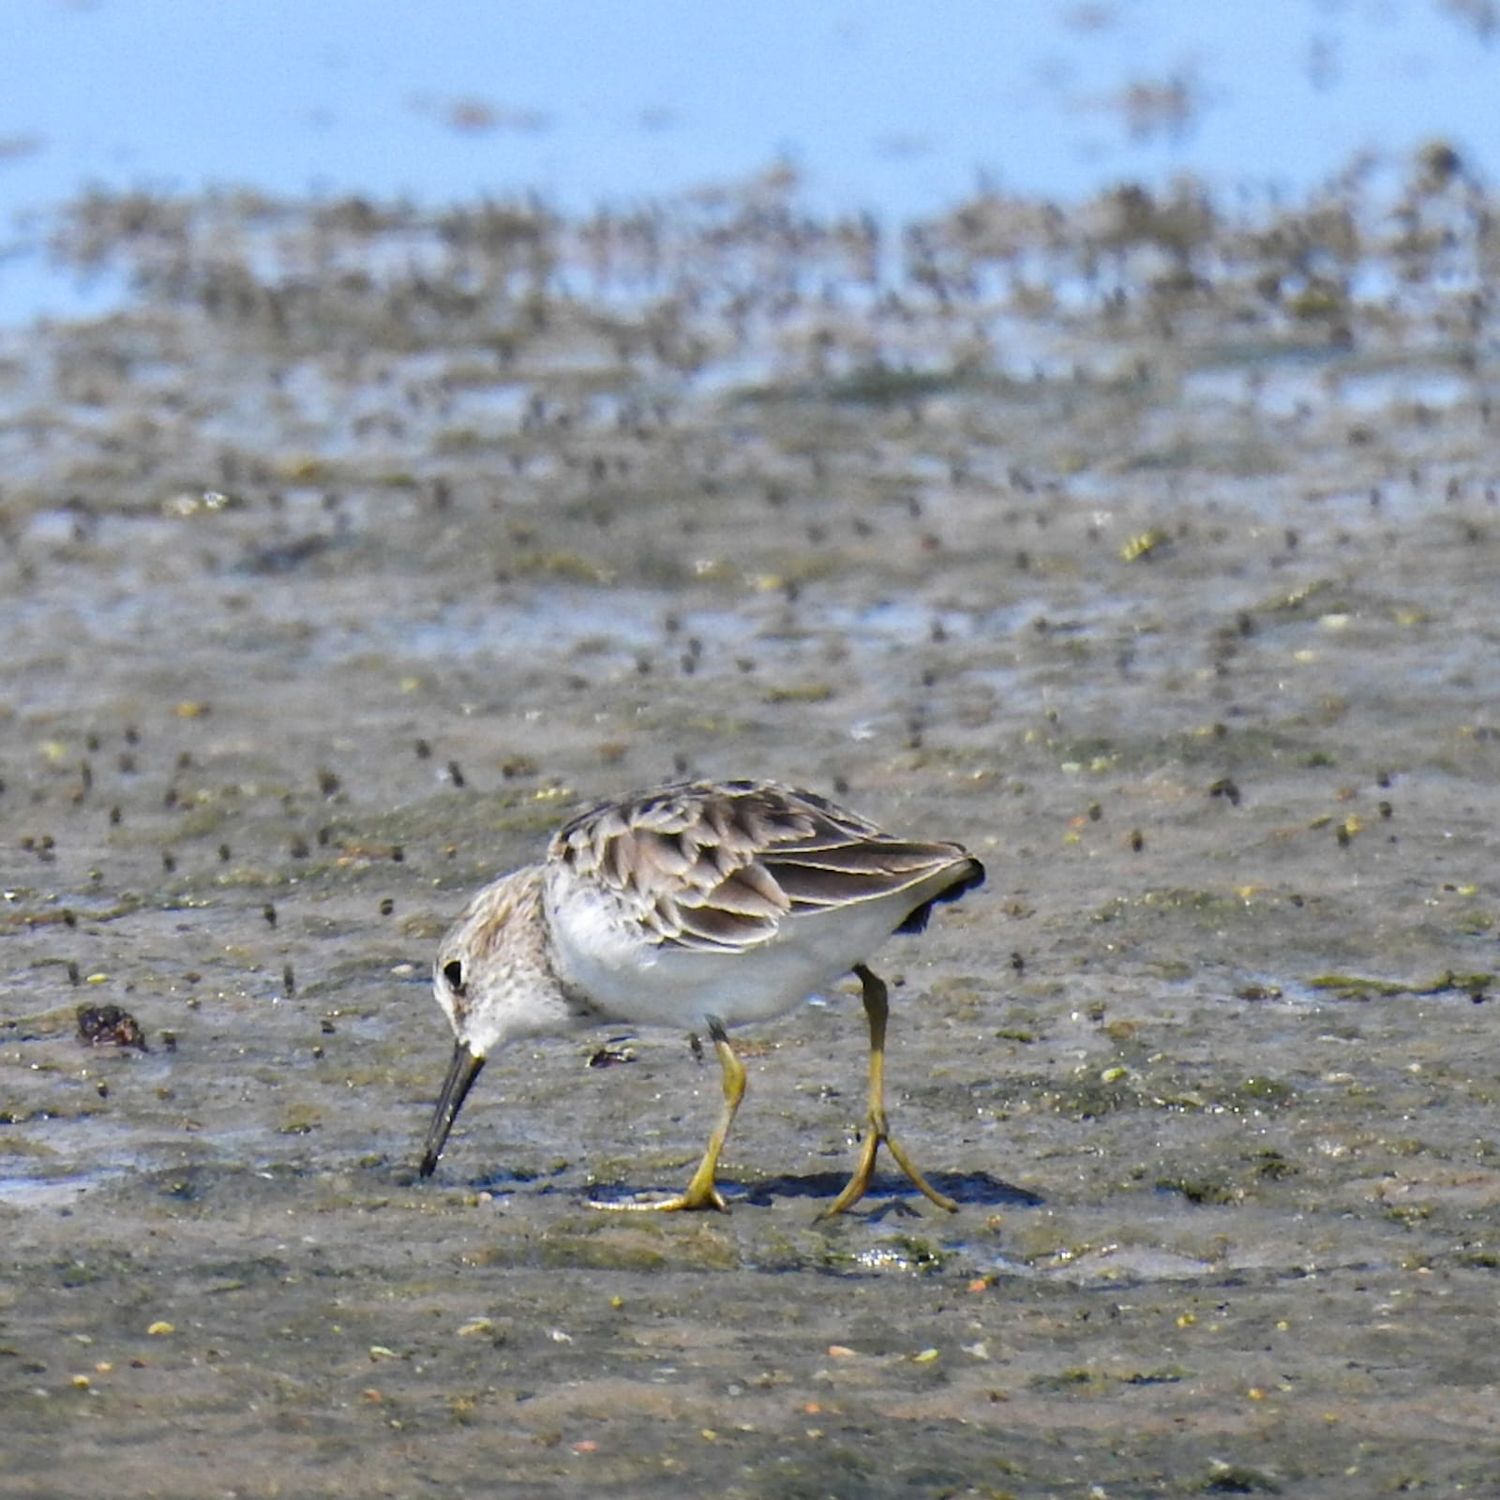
[(489, 975)]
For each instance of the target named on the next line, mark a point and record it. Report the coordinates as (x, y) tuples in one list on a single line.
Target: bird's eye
[(453, 972)]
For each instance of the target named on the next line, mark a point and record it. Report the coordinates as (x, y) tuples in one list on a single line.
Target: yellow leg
[(876, 1011), (700, 1191)]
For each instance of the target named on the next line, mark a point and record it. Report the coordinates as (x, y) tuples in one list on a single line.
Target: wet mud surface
[(1148, 547)]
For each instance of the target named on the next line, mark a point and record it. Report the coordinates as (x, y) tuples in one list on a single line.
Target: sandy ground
[(1148, 549)]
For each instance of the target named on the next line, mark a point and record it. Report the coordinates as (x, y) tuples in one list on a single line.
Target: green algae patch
[(637, 1243), (1203, 906), (898, 1252), (125, 904), (803, 692), (1238, 1479), (1207, 1190), (1366, 987), (299, 1119), (1358, 987), (1086, 1380)]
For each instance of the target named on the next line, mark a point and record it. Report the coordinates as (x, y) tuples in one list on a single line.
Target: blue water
[(884, 104)]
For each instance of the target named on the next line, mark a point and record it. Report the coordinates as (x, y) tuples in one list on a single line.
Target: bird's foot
[(678, 1201), (922, 1185), (700, 1193), (864, 1173)]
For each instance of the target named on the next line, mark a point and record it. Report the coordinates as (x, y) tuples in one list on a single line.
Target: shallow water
[(1204, 670)]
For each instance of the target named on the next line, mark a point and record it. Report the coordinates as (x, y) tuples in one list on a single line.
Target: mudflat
[(1146, 546)]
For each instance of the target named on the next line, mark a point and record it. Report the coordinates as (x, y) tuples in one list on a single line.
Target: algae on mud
[(1215, 1085)]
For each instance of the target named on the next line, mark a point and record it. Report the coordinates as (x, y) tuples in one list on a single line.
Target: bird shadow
[(505, 1182), (890, 1194), (889, 1191)]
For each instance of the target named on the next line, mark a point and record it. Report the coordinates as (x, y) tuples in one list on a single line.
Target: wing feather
[(721, 866)]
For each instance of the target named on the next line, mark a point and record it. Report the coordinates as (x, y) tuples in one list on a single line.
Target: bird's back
[(649, 895)]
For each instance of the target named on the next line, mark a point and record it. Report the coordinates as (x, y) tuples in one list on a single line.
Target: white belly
[(628, 978)]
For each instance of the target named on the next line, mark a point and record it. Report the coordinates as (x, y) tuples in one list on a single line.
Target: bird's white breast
[(600, 950)]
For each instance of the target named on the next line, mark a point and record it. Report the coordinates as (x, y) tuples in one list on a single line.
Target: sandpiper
[(701, 905)]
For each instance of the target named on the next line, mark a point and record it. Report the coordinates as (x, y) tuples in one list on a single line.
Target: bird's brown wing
[(720, 866)]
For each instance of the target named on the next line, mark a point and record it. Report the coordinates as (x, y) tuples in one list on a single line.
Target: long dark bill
[(462, 1072)]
